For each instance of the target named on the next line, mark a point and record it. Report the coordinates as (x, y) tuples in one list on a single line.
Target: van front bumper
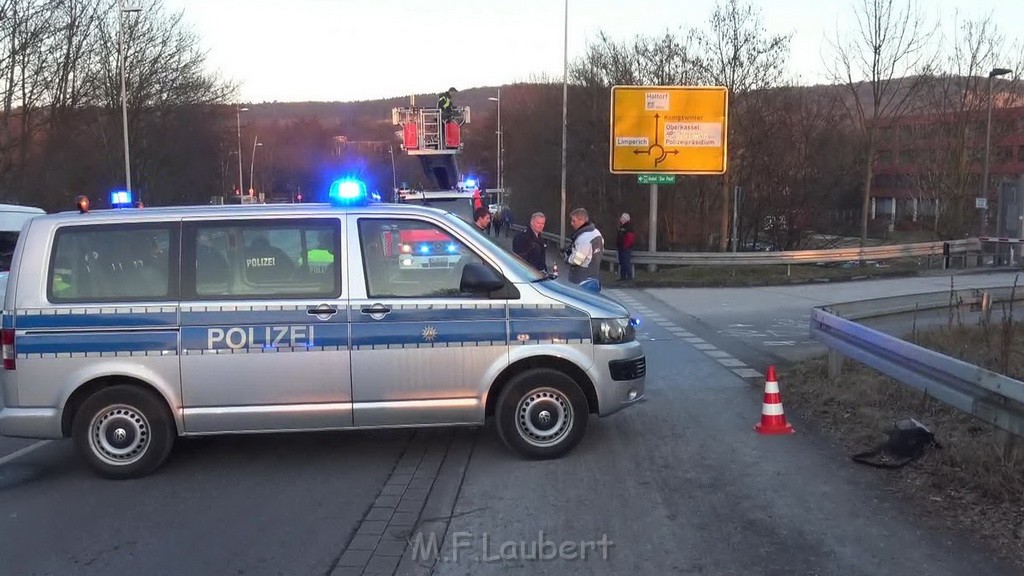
[(619, 373), (30, 422)]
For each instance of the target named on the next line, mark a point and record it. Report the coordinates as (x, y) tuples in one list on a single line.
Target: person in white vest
[(583, 254)]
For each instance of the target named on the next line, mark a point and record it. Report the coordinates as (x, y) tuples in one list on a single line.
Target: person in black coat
[(528, 244)]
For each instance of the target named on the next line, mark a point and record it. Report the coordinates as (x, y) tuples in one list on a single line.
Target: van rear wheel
[(542, 413), (123, 432)]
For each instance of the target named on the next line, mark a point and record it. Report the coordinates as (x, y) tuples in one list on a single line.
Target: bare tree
[(881, 66), (738, 53)]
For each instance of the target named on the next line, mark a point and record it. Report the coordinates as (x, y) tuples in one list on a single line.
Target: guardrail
[(992, 397), (952, 248)]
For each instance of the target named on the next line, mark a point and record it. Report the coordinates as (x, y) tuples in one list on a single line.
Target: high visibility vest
[(319, 259)]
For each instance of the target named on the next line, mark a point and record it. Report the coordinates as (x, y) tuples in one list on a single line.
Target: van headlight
[(613, 330)]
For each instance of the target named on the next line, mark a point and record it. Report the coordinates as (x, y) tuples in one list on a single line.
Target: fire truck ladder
[(424, 134)]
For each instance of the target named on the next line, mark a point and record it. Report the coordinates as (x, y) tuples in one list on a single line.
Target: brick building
[(917, 156)]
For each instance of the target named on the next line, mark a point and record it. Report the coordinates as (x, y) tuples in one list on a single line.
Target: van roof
[(232, 211)]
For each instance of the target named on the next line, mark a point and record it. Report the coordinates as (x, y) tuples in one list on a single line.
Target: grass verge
[(975, 482)]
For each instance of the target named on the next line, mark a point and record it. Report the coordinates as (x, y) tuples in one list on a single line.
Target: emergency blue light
[(120, 198), (470, 183), (424, 249), (347, 192)]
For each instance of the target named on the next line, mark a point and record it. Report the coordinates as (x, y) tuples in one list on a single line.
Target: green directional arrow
[(656, 178)]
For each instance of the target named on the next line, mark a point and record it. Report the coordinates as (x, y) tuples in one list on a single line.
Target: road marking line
[(705, 346), (717, 353), (731, 362), (694, 340), (747, 373), (24, 451), (780, 343)]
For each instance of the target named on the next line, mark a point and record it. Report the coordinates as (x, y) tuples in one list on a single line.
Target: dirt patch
[(975, 482)]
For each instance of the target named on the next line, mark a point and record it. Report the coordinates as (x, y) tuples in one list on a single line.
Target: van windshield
[(461, 207), (512, 262)]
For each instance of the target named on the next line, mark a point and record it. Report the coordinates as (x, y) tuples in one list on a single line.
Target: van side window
[(294, 259), (113, 264), (411, 259)]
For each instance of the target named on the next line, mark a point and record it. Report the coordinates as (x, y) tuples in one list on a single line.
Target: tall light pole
[(988, 138), (252, 164), (565, 117), (238, 124), (124, 92), (498, 178), (394, 175)]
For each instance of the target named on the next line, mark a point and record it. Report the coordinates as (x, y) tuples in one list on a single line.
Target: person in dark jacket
[(624, 247), (482, 219), (528, 244)]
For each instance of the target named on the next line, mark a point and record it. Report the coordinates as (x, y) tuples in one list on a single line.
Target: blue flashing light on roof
[(348, 192), (470, 183), (424, 249), (120, 198), (452, 249)]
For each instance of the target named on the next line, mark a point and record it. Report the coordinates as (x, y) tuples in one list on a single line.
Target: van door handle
[(323, 311), (377, 311)]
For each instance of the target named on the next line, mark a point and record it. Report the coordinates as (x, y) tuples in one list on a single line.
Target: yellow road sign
[(668, 129)]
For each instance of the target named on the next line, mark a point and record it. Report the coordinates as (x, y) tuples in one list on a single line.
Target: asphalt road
[(680, 484)]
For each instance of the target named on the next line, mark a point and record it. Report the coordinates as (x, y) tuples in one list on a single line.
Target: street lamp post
[(238, 124), (988, 138), (498, 177), (252, 163), (124, 92), (565, 117), (394, 175)]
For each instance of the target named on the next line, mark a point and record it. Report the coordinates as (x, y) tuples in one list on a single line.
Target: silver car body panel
[(427, 361)]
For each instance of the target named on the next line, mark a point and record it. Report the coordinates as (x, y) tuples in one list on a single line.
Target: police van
[(127, 328)]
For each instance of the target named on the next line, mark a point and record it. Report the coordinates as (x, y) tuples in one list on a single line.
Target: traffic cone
[(773, 419)]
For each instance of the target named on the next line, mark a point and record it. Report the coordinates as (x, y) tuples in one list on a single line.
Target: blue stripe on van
[(8, 321), (426, 333), (550, 330), (438, 313), (120, 320), (252, 318), (516, 312), (97, 342)]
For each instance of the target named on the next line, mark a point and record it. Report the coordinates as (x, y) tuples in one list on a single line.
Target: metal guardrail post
[(984, 394)]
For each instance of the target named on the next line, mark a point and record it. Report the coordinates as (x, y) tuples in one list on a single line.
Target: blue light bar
[(348, 192), (452, 249), (424, 249), (470, 183), (119, 198)]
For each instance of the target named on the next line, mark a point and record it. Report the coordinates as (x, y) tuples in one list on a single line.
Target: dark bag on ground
[(905, 442)]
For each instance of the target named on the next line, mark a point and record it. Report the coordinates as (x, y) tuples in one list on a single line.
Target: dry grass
[(975, 482)]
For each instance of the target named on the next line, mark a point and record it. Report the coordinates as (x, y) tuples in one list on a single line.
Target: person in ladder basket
[(446, 105)]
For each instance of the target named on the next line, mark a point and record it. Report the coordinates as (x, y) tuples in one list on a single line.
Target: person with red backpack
[(624, 247)]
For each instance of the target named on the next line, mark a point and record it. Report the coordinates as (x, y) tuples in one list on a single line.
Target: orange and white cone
[(773, 418)]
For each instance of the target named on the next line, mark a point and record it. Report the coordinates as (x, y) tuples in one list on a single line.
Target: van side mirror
[(477, 277)]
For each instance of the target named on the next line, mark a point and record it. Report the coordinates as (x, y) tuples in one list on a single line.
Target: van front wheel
[(542, 413), (123, 432)]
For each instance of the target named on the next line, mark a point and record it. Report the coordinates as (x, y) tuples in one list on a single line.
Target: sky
[(343, 50)]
